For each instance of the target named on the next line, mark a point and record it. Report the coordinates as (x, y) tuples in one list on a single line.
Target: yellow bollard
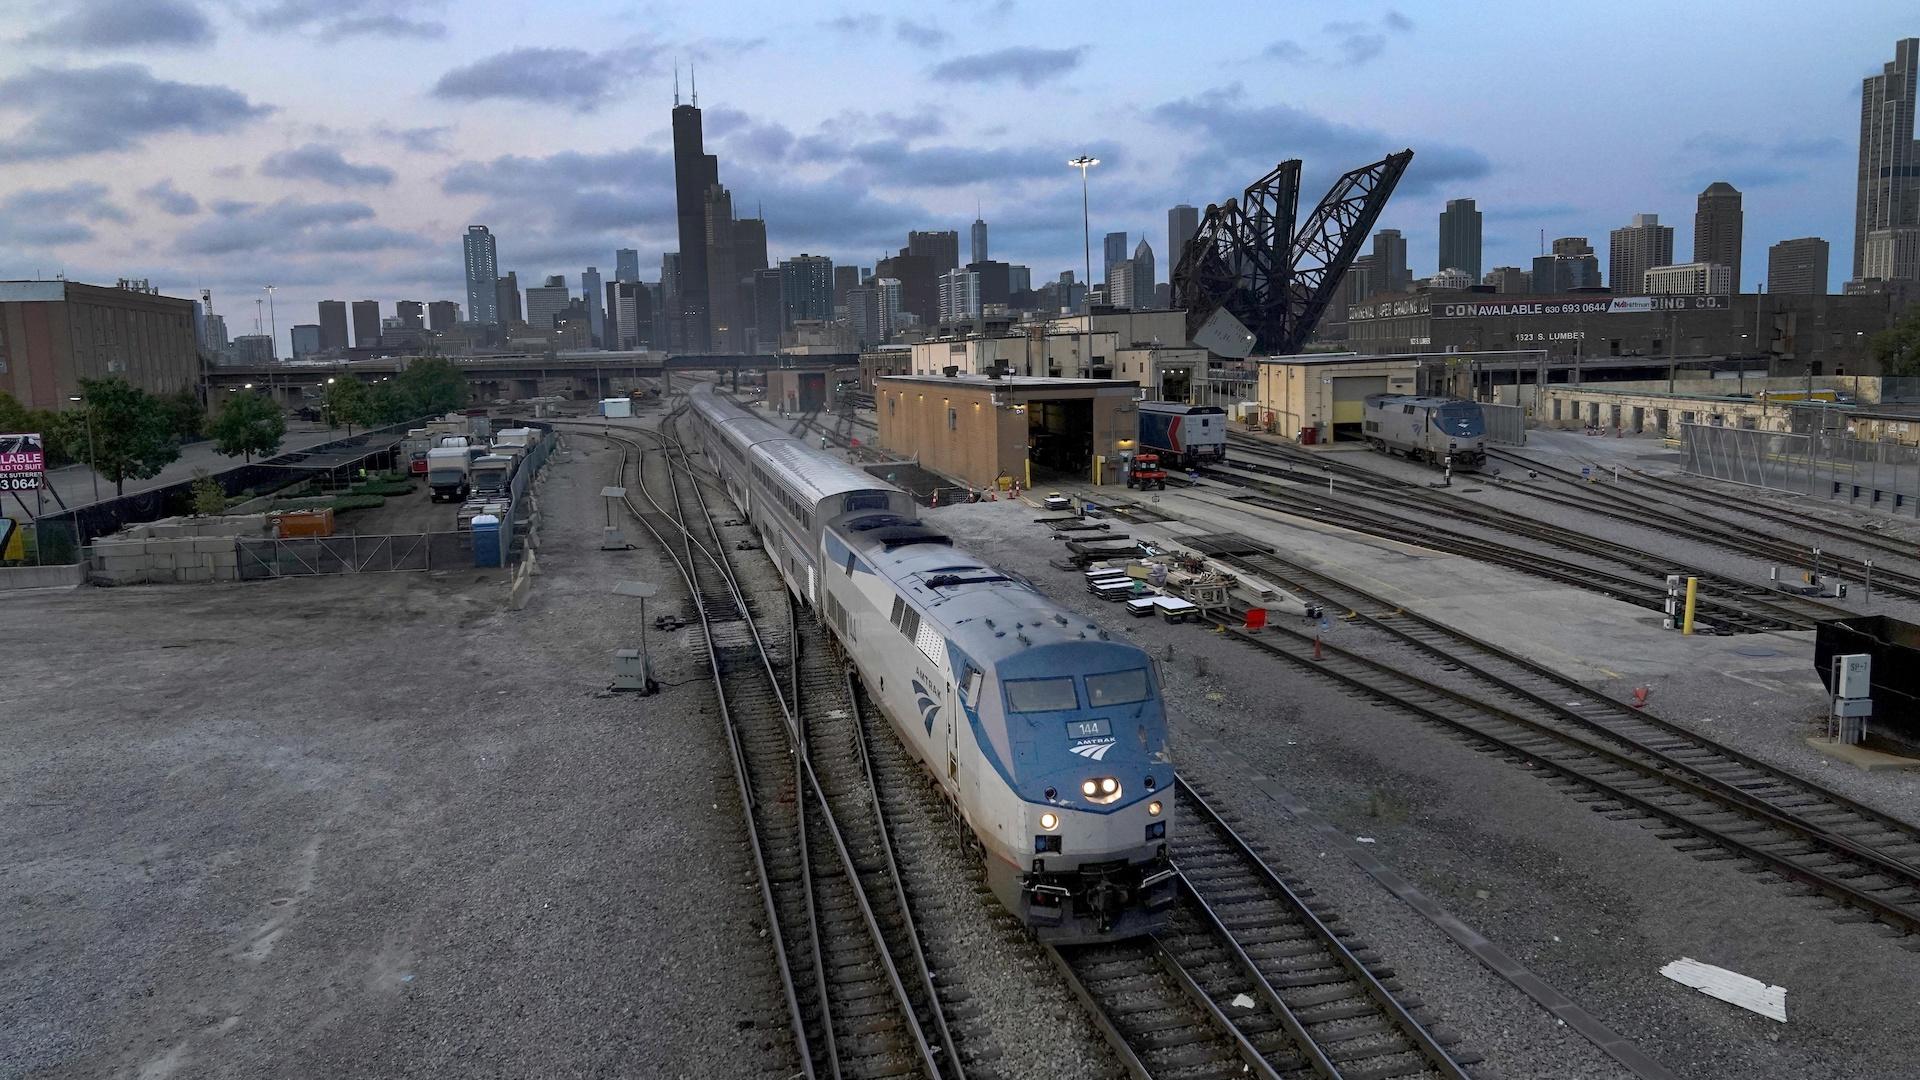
[(1693, 587)]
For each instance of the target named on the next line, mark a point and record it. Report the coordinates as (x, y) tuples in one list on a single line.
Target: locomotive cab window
[(1117, 688), (1042, 695), (866, 500)]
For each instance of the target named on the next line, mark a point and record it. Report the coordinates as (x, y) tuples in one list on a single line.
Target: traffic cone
[(1317, 654)]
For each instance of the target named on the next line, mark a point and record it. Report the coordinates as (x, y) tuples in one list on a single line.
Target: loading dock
[(986, 431)]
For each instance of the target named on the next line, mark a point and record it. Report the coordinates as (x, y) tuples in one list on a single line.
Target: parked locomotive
[(1048, 738), (1427, 428), (1185, 436)]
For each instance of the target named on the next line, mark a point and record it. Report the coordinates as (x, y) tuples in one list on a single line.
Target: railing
[(261, 558), (1882, 475)]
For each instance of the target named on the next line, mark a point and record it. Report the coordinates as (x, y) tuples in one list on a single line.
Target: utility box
[(630, 671), (616, 407), (488, 545)]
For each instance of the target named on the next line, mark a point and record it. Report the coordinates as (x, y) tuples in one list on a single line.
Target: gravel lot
[(1593, 905), (371, 826)]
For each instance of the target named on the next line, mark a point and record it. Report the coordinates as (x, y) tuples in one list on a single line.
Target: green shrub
[(382, 487), (358, 502)]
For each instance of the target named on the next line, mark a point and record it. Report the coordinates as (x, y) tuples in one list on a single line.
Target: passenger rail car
[(1427, 428), (1185, 436), (1049, 739)]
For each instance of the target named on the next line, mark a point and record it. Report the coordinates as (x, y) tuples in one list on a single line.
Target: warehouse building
[(985, 431), (1321, 397), (55, 333)]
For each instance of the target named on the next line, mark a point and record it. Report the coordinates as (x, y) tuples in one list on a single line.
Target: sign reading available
[(23, 462)]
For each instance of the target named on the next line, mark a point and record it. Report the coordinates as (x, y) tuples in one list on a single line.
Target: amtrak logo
[(923, 700), (1096, 751)]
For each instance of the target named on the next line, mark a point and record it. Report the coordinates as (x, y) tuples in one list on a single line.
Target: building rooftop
[(1016, 382)]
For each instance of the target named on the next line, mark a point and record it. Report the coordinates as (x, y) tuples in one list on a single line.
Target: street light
[(1083, 163), (91, 466), (273, 328)]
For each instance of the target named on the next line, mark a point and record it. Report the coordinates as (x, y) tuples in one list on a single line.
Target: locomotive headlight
[(1051, 822), (1089, 789), (1153, 808), (1109, 786)]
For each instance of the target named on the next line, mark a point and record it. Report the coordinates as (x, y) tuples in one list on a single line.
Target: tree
[(129, 434), (432, 385), (347, 402), (185, 418), (248, 424), (1897, 348), (208, 499)]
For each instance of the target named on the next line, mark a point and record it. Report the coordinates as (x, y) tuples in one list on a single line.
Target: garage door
[(1350, 396)]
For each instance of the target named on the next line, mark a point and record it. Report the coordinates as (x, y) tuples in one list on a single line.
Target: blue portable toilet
[(487, 547)]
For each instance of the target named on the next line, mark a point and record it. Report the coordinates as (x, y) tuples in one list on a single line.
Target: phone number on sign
[(30, 482)]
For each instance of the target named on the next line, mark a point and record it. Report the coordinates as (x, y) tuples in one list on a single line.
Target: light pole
[(273, 327), (1083, 163), (92, 467)]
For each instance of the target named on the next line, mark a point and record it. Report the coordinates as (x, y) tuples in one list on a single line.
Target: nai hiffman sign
[(23, 462)]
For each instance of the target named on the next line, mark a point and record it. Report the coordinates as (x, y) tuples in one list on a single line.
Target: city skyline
[(275, 169)]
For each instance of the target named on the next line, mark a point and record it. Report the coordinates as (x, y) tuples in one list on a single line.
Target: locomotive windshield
[(1461, 420), (1041, 695), (1117, 688)]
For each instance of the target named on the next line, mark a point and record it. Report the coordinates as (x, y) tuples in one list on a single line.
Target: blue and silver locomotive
[(1048, 738), (1427, 428)]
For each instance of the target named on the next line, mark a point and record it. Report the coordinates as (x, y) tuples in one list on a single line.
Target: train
[(1047, 737), (1185, 436), (1433, 429)]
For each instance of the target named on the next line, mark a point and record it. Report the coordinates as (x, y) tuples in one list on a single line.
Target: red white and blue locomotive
[(1185, 436)]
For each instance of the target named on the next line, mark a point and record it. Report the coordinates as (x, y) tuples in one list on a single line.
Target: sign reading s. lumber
[(23, 462)]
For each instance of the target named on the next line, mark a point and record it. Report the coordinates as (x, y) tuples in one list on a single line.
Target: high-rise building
[(1460, 237), (546, 301), (1451, 278), (996, 282), (626, 265), (1143, 269), (412, 314), (1572, 265), (483, 271), (629, 316), (942, 247), (1717, 226), (1019, 279), (507, 300), (1798, 267), (694, 171), (1689, 279), (1889, 174), (1114, 251), (441, 315), (1892, 254), (1359, 282), (333, 325), (1183, 222), (306, 339), (959, 295), (979, 241), (1508, 279), (1117, 290), (1634, 249), (596, 316), (366, 324), (919, 284), (844, 278), (1390, 272), (806, 288), (769, 310)]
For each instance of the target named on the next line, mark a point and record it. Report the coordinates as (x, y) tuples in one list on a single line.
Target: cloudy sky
[(338, 148)]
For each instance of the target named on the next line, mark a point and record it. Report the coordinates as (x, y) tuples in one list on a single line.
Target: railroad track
[(1726, 603), (1713, 799), (1250, 977), (851, 1010)]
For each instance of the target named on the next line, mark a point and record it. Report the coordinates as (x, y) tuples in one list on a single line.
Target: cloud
[(48, 217), (924, 35), (575, 78), (291, 224), (1393, 20), (1291, 52), (326, 165), (1345, 42), (539, 199), (170, 199), (1789, 148), (1025, 64), (112, 24), (865, 23), (1357, 42), (79, 111), (894, 162), (333, 20), (420, 140)]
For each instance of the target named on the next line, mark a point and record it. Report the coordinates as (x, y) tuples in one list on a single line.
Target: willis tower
[(694, 171)]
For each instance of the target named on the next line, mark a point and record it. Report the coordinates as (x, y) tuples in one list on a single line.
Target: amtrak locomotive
[(1427, 428), (1049, 739)]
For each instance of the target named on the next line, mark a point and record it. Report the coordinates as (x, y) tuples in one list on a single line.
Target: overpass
[(582, 375)]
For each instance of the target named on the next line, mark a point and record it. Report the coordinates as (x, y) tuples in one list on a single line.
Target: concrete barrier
[(125, 560), (42, 577)]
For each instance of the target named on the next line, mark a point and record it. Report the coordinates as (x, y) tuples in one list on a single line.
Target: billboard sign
[(1594, 305), (23, 462)]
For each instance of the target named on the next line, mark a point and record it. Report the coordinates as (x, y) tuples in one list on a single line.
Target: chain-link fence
[(261, 557), (1883, 475)]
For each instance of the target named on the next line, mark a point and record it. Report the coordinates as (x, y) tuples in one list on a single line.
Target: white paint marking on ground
[(1730, 986)]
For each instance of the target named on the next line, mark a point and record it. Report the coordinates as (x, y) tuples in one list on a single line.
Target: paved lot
[(75, 482)]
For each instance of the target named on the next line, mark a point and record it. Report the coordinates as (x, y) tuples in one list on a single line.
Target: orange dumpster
[(292, 524)]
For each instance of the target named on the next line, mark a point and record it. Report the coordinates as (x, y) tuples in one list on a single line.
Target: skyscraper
[(507, 300), (806, 288), (1798, 267), (1390, 273), (1114, 249), (979, 241), (412, 314), (546, 301), (942, 247), (1508, 279), (1572, 265), (626, 265), (959, 295), (1717, 225), (1142, 261), (1889, 175), (596, 317), (366, 323), (629, 319), (1182, 222), (693, 173), (306, 340), (919, 284), (1634, 249), (769, 310), (844, 278), (483, 269), (1460, 237), (441, 315), (1119, 284), (333, 325)]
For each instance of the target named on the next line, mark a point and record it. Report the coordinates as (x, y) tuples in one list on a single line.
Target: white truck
[(491, 476), (448, 472)]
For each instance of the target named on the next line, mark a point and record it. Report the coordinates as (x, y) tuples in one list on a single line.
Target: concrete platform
[(1860, 757)]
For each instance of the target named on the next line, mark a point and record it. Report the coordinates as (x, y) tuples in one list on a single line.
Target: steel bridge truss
[(1249, 260)]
